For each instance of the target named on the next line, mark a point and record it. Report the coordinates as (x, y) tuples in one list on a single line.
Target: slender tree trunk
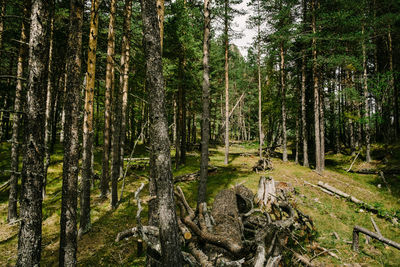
[(49, 101), (318, 165), (226, 161), (322, 127), (115, 146), (160, 158), (107, 106), (30, 233), (283, 94), (12, 200), (2, 14), (303, 110), (260, 130), (87, 144), (63, 108), (69, 203), (392, 85), (124, 79), (366, 101), (205, 118), (160, 15)]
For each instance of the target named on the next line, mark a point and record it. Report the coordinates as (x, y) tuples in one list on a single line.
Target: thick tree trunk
[(115, 146), (12, 200), (226, 161), (304, 111), (49, 101), (283, 94), (124, 78), (366, 100), (69, 203), (205, 119), (30, 233), (160, 158), (87, 144), (107, 105)]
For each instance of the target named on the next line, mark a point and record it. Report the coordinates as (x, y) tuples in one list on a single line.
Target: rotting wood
[(235, 231), (340, 193), (358, 229)]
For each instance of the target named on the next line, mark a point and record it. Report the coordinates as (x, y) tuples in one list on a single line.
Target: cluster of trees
[(319, 73)]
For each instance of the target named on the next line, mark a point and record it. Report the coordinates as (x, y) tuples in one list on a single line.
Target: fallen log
[(358, 229), (351, 166), (340, 193)]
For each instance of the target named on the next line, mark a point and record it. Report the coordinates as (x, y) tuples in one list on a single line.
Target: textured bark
[(124, 78), (160, 158), (115, 146), (316, 94), (63, 107), (366, 101), (205, 123), (260, 130), (107, 105), (12, 200), (87, 144), (2, 14), (160, 15), (30, 233), (283, 94), (49, 101), (69, 202), (304, 111), (226, 161)]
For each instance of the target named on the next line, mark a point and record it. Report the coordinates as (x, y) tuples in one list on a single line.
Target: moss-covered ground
[(330, 214)]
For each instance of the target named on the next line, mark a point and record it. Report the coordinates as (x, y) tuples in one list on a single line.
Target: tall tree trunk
[(160, 158), (124, 78), (12, 200), (226, 33), (318, 165), (260, 130), (2, 14), (366, 100), (283, 94), (322, 126), (303, 110), (30, 233), (107, 106), (115, 146), (49, 100), (87, 144), (69, 202), (160, 15), (205, 118), (63, 107), (392, 85)]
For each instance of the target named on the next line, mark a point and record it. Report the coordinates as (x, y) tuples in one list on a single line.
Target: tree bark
[(124, 78), (160, 158), (260, 130), (283, 94), (107, 106), (318, 165), (49, 100), (2, 14), (30, 233), (205, 123), (303, 110), (226, 33), (366, 100), (12, 200), (87, 144), (69, 202), (392, 85)]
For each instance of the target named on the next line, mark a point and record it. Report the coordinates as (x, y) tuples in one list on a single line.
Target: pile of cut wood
[(241, 229), (263, 164)]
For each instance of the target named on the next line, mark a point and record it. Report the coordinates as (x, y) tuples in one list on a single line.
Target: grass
[(329, 214)]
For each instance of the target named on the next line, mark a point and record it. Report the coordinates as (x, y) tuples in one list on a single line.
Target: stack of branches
[(263, 164), (240, 230)]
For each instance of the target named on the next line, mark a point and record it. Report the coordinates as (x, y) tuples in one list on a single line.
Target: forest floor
[(329, 214)]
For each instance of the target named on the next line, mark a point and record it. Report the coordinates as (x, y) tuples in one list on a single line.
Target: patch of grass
[(329, 214)]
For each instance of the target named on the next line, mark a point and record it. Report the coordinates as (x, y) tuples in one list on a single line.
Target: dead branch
[(351, 166), (358, 229)]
